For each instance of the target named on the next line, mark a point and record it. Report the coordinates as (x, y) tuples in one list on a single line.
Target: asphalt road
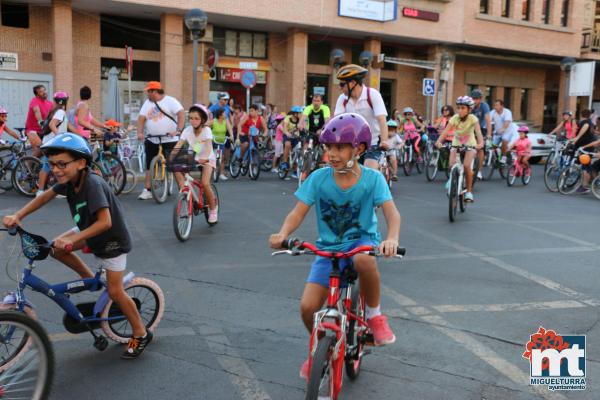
[(462, 303)]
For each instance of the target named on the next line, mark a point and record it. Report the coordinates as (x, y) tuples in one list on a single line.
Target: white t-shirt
[(201, 144), (500, 119), (157, 123), (61, 117), (362, 107)]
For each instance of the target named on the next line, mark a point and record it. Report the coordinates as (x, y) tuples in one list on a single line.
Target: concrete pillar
[(555, 11), (171, 55), (516, 104), (498, 95), (515, 9), (495, 7), (62, 40), (535, 15), (297, 59), (565, 102), (374, 78)]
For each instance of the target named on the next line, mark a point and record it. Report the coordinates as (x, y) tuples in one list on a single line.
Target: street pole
[(195, 71), (247, 99)]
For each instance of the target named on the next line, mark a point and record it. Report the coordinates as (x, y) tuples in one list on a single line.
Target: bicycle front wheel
[(114, 172), (183, 217), (551, 176), (30, 376), (595, 187), (254, 164), (453, 196), (235, 165), (159, 185), (407, 165), (431, 165), (354, 335), (322, 379), (511, 177), (130, 181), (569, 180)]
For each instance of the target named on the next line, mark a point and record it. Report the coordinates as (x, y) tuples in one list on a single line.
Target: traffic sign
[(428, 87), (248, 79), (213, 58)]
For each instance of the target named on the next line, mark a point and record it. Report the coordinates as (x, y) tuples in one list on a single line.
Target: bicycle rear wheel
[(159, 185), (31, 375), (354, 335), (183, 217), (322, 379), (114, 172), (130, 181), (25, 175)]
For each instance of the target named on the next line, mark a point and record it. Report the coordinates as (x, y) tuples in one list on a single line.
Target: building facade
[(511, 49)]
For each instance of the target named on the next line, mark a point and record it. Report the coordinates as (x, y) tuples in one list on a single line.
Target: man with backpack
[(161, 116), (358, 98)]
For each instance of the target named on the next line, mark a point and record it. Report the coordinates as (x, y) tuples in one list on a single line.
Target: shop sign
[(420, 14), (248, 65), (375, 10), (319, 90), (9, 61), (235, 75)]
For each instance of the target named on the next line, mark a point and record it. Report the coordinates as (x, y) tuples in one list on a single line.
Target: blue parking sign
[(428, 87)]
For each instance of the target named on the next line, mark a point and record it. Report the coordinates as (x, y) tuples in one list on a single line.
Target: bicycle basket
[(181, 161), (35, 247)]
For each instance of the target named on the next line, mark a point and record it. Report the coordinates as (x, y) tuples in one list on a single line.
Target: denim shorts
[(497, 139), (373, 153), (321, 267)]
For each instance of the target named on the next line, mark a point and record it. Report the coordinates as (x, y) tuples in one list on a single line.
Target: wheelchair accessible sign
[(428, 87)]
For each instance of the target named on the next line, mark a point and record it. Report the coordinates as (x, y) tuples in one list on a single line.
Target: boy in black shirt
[(100, 226)]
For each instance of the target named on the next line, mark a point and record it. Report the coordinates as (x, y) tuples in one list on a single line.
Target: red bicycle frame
[(190, 184)]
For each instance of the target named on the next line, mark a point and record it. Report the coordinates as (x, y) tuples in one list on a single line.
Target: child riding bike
[(523, 147), (395, 143), (345, 194), (100, 226), (466, 133), (198, 137), (411, 127)]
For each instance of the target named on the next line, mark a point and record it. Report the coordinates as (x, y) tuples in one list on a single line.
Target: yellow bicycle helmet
[(351, 72)]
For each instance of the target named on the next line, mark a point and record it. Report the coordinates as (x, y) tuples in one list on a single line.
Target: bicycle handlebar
[(296, 247)]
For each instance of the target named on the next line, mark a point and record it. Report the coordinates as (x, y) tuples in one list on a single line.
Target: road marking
[(158, 333), (486, 354), (542, 305), (550, 284), (238, 371)]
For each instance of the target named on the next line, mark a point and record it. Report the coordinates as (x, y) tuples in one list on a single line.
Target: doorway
[(317, 84), (386, 88)]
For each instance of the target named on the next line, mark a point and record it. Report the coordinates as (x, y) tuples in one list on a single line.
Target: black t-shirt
[(94, 195), (588, 137), (316, 120)]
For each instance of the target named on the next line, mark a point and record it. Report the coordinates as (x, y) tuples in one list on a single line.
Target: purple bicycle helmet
[(524, 128), (61, 97), (348, 128)]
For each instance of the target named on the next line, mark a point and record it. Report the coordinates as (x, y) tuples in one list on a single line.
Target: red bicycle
[(340, 331), (191, 199)]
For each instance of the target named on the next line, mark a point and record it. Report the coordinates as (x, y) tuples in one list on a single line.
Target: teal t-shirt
[(345, 216)]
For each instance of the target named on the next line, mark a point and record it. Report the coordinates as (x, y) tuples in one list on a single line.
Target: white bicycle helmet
[(465, 101)]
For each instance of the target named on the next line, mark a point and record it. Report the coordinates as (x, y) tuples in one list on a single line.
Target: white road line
[(158, 333), (542, 305), (486, 354), (239, 373), (550, 284)]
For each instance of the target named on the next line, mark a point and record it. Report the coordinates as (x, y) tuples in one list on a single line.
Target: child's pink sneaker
[(213, 216), (382, 334)]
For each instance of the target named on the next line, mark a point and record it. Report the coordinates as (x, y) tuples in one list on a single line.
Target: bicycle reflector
[(34, 247)]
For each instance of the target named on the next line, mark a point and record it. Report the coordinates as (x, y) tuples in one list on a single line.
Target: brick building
[(511, 49)]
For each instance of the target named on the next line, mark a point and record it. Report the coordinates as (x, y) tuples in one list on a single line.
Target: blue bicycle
[(102, 314), (18, 170), (251, 162), (558, 160)]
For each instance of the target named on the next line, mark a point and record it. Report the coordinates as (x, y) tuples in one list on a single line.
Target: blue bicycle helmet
[(296, 109), (71, 143)]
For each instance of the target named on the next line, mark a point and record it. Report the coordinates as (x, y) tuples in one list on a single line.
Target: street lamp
[(195, 20), (337, 57), (365, 58), (566, 64)]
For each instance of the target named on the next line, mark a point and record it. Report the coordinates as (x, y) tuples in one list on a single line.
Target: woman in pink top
[(567, 127), (85, 122), (523, 147)]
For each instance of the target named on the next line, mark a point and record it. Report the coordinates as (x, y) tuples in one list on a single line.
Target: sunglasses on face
[(342, 84), (59, 164), (408, 114)]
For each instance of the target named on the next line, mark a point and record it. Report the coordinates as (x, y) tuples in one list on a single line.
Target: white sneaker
[(479, 175), (469, 197), (39, 193), (61, 196), (223, 177), (503, 160), (145, 195), (274, 170), (2, 191)]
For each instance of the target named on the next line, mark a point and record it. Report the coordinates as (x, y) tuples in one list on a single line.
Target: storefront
[(228, 80)]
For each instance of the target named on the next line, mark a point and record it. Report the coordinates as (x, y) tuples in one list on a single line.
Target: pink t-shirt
[(523, 147), (279, 133), (31, 124), (88, 118)]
